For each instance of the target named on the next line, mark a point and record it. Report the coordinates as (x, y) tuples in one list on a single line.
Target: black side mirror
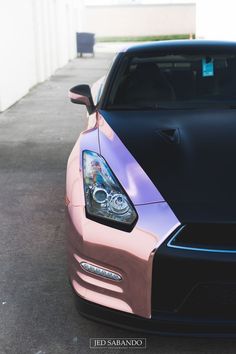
[(81, 94)]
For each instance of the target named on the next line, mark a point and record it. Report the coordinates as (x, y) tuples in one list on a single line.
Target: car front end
[(151, 243)]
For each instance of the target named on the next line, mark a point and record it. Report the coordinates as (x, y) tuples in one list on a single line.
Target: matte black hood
[(190, 155)]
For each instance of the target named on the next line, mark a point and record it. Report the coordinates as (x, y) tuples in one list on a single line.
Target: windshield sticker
[(207, 67)]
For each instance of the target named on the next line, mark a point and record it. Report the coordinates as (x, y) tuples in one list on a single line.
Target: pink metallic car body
[(130, 255)]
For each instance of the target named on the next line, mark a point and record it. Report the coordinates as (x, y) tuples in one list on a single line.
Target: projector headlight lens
[(106, 201)]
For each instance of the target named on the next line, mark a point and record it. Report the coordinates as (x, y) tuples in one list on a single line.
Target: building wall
[(216, 20), (140, 20), (36, 38)]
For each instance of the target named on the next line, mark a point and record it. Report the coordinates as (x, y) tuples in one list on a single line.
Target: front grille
[(187, 282), (221, 237)]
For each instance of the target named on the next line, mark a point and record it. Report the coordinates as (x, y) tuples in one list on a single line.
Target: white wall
[(36, 38), (215, 19), (140, 20), (133, 2)]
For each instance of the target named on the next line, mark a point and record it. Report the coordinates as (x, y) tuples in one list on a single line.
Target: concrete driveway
[(37, 313)]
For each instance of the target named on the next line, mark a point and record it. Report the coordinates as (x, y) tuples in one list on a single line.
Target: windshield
[(174, 81)]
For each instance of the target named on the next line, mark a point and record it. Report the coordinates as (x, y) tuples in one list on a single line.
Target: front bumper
[(129, 254), (178, 306), (164, 290)]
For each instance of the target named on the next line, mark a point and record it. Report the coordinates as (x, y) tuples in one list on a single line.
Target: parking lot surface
[(37, 312)]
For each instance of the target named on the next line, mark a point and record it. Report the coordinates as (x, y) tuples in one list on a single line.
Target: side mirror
[(81, 94)]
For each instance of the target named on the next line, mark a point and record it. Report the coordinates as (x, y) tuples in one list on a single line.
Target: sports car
[(151, 191)]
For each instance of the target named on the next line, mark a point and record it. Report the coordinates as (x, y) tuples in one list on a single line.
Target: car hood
[(188, 154)]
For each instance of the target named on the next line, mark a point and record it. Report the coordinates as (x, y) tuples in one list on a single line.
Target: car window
[(97, 89), (175, 80)]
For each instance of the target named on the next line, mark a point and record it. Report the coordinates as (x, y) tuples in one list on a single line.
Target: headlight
[(106, 201)]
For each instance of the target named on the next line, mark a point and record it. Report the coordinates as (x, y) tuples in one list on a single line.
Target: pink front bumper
[(128, 254)]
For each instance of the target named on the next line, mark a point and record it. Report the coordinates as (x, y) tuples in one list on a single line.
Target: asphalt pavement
[(37, 311)]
